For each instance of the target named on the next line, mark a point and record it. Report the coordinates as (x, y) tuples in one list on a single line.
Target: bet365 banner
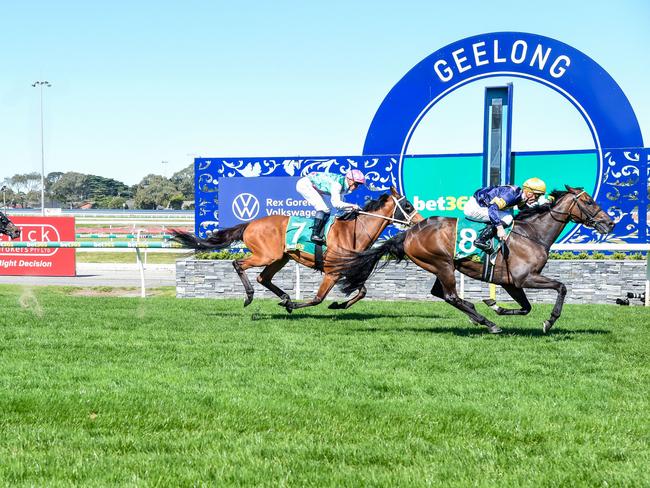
[(40, 261)]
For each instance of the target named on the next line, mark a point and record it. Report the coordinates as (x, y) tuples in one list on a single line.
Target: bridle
[(409, 217), (589, 221)]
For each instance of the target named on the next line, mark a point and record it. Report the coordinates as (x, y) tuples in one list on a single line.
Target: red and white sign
[(40, 261)]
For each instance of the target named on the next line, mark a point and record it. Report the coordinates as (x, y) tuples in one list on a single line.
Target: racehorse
[(265, 238), (430, 244), (8, 227)]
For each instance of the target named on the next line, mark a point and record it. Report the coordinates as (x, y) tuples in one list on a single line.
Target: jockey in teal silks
[(494, 205), (314, 185)]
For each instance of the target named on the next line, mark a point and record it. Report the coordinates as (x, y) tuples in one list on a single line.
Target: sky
[(140, 82)]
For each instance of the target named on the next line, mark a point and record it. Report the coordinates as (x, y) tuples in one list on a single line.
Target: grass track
[(100, 391)]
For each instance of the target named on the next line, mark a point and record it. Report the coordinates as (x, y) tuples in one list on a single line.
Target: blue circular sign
[(577, 77)]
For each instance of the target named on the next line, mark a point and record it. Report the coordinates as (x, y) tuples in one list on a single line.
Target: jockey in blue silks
[(495, 204)]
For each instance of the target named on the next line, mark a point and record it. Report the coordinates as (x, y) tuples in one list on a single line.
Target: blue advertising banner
[(246, 199)]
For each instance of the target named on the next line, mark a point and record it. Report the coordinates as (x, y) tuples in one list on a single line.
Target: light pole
[(4, 198), (40, 85)]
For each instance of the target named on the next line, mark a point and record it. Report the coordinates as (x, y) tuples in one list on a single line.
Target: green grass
[(129, 257), (100, 391)]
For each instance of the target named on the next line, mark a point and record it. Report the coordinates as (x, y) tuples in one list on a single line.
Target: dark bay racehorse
[(265, 237), (8, 227), (430, 245)]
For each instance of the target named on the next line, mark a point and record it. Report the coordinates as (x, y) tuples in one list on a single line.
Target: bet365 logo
[(440, 203)]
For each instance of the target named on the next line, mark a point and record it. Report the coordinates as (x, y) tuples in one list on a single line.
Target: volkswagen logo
[(245, 206)]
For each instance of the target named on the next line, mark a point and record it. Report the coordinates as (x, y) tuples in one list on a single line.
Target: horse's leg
[(539, 281), (347, 304), (326, 285), (437, 291), (518, 295), (267, 274), (445, 288), (241, 265)]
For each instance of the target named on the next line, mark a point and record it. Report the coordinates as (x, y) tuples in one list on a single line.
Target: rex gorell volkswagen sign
[(244, 199)]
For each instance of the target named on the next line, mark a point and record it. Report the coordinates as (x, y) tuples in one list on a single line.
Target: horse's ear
[(393, 191), (569, 189)]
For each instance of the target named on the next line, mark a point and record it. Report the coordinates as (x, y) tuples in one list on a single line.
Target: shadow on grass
[(478, 330), (341, 316)]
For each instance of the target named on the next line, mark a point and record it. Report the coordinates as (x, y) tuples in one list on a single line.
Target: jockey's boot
[(482, 242), (319, 227)]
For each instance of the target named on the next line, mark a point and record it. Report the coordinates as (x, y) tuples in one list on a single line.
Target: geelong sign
[(578, 78), (40, 261)]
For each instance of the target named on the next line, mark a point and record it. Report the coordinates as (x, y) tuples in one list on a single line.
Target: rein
[(392, 219)]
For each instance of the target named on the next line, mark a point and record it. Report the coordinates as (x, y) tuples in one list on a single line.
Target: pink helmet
[(356, 175)]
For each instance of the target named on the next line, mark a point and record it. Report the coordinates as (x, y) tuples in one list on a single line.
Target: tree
[(70, 188), (25, 183), (184, 182), (111, 202), (26, 188), (98, 187), (154, 191)]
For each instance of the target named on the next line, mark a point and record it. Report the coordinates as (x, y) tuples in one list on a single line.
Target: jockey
[(494, 205), (314, 185)]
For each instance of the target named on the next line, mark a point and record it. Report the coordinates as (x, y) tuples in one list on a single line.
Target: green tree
[(184, 182), (71, 188), (111, 202), (154, 191), (26, 188)]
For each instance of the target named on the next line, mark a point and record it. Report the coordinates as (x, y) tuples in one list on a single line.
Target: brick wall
[(587, 281)]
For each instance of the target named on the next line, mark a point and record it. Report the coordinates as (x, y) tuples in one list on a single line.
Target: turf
[(98, 391), (128, 257)]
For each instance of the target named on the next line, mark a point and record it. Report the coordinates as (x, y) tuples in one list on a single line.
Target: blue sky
[(138, 83)]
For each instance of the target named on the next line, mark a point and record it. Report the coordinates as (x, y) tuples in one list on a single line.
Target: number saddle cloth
[(298, 237), (466, 233)]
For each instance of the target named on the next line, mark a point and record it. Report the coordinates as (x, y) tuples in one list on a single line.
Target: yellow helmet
[(535, 185)]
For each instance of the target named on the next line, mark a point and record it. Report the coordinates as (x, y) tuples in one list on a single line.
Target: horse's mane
[(376, 204), (540, 209)]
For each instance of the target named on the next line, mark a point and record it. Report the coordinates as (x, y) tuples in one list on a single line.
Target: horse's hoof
[(334, 306), (289, 308), (494, 329), (248, 300), (546, 326)]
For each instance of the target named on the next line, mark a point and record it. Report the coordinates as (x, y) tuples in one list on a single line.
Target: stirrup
[(316, 239), (486, 248)]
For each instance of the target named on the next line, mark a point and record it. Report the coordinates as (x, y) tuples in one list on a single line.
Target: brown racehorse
[(8, 227), (265, 238), (430, 245)]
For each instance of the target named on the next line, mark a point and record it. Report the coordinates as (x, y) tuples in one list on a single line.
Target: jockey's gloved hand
[(501, 234), (353, 206)]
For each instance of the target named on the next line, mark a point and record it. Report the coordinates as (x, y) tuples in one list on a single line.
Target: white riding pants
[(309, 193), (474, 211)]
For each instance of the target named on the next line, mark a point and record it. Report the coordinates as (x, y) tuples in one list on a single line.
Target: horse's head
[(582, 209), (8, 227), (404, 210)]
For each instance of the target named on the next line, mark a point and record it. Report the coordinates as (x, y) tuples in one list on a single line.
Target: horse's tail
[(356, 270), (218, 240)]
